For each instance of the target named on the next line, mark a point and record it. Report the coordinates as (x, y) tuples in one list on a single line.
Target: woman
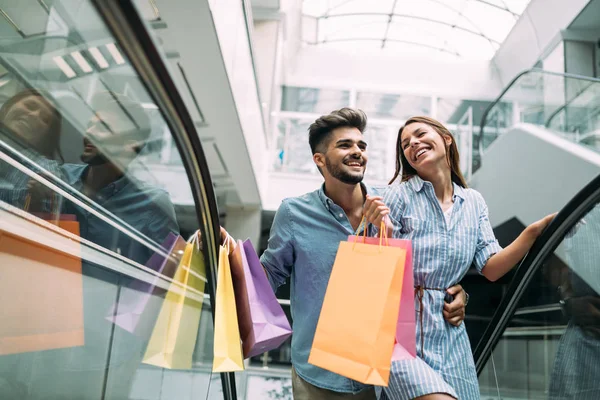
[(450, 230), (31, 125)]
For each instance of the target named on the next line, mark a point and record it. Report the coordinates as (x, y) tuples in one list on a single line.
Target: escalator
[(543, 341), (535, 149), (86, 93)]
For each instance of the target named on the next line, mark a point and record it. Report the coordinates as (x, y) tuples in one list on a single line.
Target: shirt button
[(341, 215)]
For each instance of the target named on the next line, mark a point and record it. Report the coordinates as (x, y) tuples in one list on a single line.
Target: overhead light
[(149, 106), (114, 52), (100, 60), (83, 64), (65, 68)]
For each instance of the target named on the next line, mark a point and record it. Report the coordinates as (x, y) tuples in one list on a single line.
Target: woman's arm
[(502, 262)]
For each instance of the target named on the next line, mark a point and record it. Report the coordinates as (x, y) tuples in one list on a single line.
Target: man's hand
[(454, 312), (226, 240), (376, 211)]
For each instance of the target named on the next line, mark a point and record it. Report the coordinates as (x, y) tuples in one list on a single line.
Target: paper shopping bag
[(227, 344), (43, 286), (357, 325), (405, 347), (136, 300), (176, 330), (263, 323)]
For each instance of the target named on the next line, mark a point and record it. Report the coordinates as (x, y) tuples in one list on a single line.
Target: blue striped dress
[(442, 254)]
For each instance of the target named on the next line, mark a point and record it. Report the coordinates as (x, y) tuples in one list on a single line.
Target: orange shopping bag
[(357, 326), (44, 293)]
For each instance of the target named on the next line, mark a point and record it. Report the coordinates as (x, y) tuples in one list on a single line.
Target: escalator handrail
[(131, 33), (544, 246), (487, 111), (569, 102)]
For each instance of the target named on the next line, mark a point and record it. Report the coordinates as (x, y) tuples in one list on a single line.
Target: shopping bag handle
[(382, 232)]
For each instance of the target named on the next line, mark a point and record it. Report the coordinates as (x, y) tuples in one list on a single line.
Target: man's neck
[(100, 176), (348, 196)]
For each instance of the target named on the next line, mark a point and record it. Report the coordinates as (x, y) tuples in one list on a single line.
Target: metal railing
[(539, 97)]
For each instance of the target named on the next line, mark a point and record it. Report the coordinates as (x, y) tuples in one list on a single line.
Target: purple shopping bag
[(134, 301), (262, 322)]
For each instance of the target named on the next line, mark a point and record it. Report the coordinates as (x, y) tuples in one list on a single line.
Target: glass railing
[(566, 104), (93, 257), (544, 340)]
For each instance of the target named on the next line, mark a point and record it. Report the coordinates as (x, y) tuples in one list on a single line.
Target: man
[(115, 136), (305, 236), (110, 357)]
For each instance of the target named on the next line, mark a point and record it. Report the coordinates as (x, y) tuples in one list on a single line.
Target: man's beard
[(95, 160), (342, 175)]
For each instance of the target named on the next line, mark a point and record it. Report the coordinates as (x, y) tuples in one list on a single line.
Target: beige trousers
[(305, 391)]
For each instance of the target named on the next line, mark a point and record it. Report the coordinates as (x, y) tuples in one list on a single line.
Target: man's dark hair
[(319, 131)]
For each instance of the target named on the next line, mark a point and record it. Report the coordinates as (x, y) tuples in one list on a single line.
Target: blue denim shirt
[(303, 244), (147, 209)]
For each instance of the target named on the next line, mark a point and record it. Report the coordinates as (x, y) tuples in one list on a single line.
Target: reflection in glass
[(30, 124), (551, 349), (576, 370), (94, 205)]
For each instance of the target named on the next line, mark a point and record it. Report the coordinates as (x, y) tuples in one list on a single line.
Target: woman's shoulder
[(472, 194), (474, 197)]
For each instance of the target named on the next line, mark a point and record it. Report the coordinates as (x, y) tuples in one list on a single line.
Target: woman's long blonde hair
[(402, 164)]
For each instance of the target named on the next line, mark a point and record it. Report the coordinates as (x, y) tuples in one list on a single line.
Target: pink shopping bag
[(405, 347)]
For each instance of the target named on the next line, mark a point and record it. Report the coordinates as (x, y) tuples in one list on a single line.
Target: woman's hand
[(502, 262), (454, 312), (538, 227), (38, 192)]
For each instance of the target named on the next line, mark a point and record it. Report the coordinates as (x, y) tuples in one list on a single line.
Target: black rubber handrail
[(543, 247), (126, 25), (509, 86)]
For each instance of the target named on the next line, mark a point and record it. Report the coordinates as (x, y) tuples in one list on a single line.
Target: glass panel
[(394, 106), (463, 28), (311, 100), (552, 345), (567, 105), (352, 27), (95, 210), (293, 151), (450, 110)]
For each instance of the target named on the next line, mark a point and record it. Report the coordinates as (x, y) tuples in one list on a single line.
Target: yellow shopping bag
[(174, 335), (227, 345)]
